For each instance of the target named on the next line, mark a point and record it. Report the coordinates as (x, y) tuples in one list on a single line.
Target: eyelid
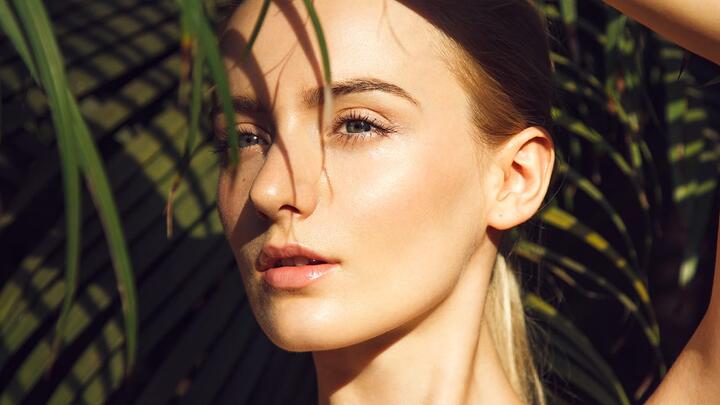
[(243, 127), (385, 116), (262, 133), (360, 114)]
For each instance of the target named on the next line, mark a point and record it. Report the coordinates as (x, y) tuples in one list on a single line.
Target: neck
[(447, 356)]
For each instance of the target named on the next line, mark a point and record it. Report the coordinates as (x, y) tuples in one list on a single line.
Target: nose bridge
[(288, 179)]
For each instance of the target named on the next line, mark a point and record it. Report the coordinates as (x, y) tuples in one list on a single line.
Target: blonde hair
[(499, 51), (505, 314)]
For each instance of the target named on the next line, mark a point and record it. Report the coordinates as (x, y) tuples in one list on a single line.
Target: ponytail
[(505, 317)]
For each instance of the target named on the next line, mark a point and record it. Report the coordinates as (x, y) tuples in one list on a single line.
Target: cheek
[(243, 229), (230, 198), (409, 189), (413, 190), (240, 224), (233, 190), (409, 218)]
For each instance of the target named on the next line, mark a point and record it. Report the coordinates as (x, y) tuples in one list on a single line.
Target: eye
[(246, 139), (355, 126)]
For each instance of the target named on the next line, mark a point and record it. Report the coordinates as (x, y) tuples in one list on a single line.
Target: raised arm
[(692, 24), (695, 376), (695, 25)]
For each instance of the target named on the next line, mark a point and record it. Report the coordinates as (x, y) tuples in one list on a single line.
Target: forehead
[(366, 38)]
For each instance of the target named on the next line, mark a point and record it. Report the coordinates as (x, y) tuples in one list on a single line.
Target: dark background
[(198, 340)]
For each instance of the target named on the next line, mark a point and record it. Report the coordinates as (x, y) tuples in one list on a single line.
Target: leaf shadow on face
[(234, 46)]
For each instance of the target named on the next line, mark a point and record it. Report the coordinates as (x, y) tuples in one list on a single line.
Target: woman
[(373, 240)]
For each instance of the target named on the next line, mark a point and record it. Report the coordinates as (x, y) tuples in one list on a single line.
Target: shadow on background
[(198, 342)]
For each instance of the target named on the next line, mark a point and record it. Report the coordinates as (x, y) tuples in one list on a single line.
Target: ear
[(519, 177)]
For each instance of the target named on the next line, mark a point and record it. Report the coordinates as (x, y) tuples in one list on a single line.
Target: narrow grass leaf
[(72, 125), (322, 44), (256, 30), (9, 25), (209, 44), (53, 81)]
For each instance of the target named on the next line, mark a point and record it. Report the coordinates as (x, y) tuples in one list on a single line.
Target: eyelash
[(221, 145), (377, 128)]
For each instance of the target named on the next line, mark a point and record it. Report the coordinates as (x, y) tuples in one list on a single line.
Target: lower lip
[(293, 277)]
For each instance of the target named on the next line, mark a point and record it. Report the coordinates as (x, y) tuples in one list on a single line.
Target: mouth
[(292, 267), (296, 261), (291, 255)]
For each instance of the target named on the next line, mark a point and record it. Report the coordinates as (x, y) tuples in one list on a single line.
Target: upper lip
[(270, 254)]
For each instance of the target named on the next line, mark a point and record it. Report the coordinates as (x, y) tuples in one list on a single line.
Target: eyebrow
[(314, 97)]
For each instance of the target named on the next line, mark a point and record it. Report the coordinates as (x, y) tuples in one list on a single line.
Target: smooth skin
[(692, 24), (694, 378), (397, 191), (412, 212)]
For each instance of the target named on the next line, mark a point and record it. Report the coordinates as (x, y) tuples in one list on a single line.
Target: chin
[(306, 339), (302, 344), (298, 330)]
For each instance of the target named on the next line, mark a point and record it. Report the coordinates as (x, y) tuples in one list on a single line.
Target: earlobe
[(526, 161)]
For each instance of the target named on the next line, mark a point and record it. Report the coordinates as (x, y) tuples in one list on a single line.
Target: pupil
[(358, 126), (248, 139)]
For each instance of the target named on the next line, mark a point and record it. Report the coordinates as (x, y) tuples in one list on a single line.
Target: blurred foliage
[(636, 123), (636, 120)]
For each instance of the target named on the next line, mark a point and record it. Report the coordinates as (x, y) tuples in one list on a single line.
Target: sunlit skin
[(395, 189)]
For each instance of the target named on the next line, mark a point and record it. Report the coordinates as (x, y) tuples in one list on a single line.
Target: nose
[(287, 183)]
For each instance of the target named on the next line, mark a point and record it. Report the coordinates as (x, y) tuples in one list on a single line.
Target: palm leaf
[(542, 255), (613, 391)]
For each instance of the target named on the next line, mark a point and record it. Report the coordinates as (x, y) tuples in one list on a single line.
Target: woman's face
[(391, 191)]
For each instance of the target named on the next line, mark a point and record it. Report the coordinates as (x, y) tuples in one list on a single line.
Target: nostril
[(291, 208)]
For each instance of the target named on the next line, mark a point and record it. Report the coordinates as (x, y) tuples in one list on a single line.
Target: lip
[(270, 254), (292, 277), (295, 277)]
